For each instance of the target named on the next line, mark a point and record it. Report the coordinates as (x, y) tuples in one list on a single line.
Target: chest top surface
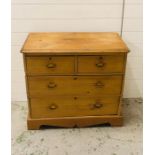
[(74, 42)]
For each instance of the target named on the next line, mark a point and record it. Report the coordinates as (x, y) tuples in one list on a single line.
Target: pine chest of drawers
[(74, 79)]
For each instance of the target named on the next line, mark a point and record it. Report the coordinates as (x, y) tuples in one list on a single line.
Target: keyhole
[(75, 78), (75, 98), (100, 58)]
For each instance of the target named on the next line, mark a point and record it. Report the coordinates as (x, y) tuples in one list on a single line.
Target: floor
[(126, 140)]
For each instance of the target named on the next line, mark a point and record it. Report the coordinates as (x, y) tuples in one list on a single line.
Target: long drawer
[(74, 85), (69, 106)]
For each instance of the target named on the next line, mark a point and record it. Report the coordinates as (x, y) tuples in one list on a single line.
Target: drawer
[(101, 64), (46, 65), (69, 106), (74, 85), (97, 106), (52, 107)]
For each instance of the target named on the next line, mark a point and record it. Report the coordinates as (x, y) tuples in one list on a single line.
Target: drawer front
[(97, 106), (72, 85), (101, 64), (68, 106), (46, 65), (52, 107)]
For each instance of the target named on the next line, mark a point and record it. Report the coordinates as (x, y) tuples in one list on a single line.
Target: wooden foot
[(35, 124), (113, 120)]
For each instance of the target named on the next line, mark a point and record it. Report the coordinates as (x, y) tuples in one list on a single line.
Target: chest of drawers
[(74, 79)]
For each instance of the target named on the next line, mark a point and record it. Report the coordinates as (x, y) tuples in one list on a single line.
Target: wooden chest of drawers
[(74, 79)]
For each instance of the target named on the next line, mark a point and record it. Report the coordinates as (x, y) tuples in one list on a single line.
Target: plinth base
[(69, 122)]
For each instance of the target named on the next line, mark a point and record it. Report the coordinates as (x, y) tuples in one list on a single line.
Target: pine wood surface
[(50, 65), (74, 79), (69, 122), (41, 86), (100, 64), (70, 106), (56, 42)]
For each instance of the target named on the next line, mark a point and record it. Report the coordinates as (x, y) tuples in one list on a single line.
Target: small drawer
[(52, 107), (47, 65), (74, 85), (101, 64), (97, 106)]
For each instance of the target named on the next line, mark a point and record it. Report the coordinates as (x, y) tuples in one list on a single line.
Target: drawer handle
[(101, 64), (52, 85), (53, 107), (98, 105), (99, 84), (51, 65)]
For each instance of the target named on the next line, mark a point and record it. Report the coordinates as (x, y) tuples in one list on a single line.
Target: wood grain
[(108, 64), (62, 106), (69, 84), (41, 86), (69, 122), (78, 42), (43, 65)]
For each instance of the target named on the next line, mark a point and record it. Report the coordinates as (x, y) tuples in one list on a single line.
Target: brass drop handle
[(99, 84), (98, 105), (51, 65), (51, 85), (100, 64), (53, 107)]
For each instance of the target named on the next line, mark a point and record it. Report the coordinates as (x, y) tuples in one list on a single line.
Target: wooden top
[(74, 42)]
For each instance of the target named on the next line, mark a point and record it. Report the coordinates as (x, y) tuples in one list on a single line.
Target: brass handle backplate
[(51, 65), (99, 84), (98, 105), (100, 64), (53, 107), (51, 85)]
